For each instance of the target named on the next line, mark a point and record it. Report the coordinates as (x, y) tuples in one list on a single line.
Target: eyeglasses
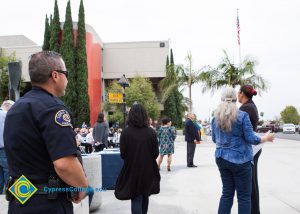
[(66, 73)]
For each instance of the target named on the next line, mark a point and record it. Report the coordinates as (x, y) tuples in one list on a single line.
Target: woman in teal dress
[(166, 135)]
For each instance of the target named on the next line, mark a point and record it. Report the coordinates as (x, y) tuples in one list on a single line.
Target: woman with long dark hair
[(245, 95), (139, 177)]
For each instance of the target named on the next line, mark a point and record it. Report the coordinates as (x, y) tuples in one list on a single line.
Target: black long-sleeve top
[(251, 109)]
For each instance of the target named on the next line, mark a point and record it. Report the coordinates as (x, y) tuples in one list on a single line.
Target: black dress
[(140, 174)]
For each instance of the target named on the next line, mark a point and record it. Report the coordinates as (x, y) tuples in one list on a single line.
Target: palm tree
[(189, 76), (228, 74), (179, 76), (170, 82), (170, 88)]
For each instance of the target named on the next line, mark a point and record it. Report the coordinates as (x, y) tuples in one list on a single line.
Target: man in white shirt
[(6, 105)]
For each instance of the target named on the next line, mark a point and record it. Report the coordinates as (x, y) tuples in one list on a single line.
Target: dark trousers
[(139, 205), (235, 177), (99, 147), (40, 204), (255, 189), (88, 147), (191, 146)]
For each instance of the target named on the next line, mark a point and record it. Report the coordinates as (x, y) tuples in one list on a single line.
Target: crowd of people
[(98, 138), (233, 132), (50, 148)]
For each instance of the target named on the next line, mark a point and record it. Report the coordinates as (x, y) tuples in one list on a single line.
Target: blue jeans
[(235, 177), (139, 205), (3, 169)]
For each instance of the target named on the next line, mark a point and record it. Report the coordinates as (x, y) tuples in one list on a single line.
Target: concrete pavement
[(295, 136), (197, 190)]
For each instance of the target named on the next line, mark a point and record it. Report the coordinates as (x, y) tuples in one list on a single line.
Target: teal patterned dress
[(166, 136)]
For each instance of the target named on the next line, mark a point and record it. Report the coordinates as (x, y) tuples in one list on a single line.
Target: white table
[(92, 168)]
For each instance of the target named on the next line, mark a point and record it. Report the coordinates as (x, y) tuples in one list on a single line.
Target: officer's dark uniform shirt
[(38, 130)]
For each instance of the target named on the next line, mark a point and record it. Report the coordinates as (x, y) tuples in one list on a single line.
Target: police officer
[(39, 138)]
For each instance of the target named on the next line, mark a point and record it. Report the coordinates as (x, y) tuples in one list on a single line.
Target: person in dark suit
[(245, 95), (191, 137)]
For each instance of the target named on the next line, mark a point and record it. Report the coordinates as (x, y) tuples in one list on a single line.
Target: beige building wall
[(23, 53), (147, 59), (22, 47)]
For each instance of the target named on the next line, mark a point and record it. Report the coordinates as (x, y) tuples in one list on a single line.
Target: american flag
[(238, 26)]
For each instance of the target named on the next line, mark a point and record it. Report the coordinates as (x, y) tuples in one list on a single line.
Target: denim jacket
[(235, 146)]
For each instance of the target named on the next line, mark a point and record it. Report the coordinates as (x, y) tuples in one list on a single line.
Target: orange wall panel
[(94, 63)]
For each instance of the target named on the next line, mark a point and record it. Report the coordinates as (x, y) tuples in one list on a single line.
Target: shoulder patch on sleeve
[(62, 118)]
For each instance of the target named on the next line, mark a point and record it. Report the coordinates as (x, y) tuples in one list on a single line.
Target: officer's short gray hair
[(42, 64), (7, 104)]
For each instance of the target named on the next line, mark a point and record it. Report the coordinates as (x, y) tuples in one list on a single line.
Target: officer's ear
[(54, 75)]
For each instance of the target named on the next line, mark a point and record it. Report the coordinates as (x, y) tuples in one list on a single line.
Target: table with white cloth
[(92, 168)]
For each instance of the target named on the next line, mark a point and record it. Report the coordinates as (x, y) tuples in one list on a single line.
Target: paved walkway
[(197, 190)]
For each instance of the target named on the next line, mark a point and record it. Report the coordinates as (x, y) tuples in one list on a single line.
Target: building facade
[(22, 48), (105, 61)]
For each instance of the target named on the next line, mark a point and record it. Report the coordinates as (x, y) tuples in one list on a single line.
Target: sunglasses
[(66, 73)]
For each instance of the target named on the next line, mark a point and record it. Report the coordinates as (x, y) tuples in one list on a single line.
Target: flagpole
[(240, 54), (238, 35)]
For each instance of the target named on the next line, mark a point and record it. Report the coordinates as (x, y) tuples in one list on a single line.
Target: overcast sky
[(270, 33)]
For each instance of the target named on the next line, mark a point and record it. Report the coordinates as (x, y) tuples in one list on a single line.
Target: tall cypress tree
[(178, 99), (171, 57), (68, 54), (47, 35), (55, 30), (50, 24), (170, 108), (170, 105), (167, 63), (83, 113), (174, 103)]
